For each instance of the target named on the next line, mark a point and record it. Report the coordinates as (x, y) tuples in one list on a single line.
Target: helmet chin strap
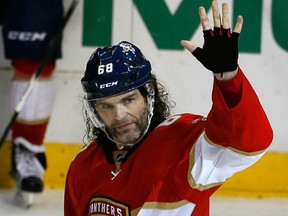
[(99, 124)]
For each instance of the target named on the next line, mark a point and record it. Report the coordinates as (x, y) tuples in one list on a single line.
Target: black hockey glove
[(220, 50)]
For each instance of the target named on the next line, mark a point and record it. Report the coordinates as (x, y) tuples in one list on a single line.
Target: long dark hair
[(162, 109)]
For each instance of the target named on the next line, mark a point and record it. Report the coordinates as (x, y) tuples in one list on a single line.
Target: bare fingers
[(225, 16), (216, 14), (204, 19), (218, 22), (188, 45), (239, 24)]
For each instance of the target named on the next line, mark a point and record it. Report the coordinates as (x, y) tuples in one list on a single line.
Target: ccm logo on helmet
[(107, 85)]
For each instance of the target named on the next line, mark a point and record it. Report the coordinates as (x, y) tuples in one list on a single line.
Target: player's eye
[(128, 101), (104, 106)]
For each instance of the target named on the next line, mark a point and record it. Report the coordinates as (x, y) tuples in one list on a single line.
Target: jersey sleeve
[(237, 119), (237, 134)]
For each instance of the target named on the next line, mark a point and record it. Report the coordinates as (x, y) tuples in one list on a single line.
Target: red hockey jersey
[(176, 169)]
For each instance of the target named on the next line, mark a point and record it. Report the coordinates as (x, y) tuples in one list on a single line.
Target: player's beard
[(132, 130)]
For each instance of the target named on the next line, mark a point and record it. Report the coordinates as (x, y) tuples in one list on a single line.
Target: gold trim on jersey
[(191, 181), (33, 122), (234, 149), (163, 205)]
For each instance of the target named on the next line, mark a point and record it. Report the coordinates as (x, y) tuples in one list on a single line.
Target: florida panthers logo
[(106, 206), (127, 47)]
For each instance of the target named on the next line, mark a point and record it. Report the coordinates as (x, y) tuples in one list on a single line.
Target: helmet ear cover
[(115, 70)]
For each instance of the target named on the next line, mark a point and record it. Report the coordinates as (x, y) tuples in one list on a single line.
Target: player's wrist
[(226, 75)]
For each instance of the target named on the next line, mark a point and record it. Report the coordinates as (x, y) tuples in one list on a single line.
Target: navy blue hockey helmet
[(115, 70)]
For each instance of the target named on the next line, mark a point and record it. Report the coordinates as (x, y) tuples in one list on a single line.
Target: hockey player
[(142, 162), (28, 27)]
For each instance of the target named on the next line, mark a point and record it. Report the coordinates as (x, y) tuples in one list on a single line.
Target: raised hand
[(220, 50)]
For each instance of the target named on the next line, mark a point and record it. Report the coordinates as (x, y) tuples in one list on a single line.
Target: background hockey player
[(28, 27), (142, 162)]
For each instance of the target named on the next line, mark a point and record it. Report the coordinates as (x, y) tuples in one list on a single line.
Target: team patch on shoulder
[(107, 206), (199, 120)]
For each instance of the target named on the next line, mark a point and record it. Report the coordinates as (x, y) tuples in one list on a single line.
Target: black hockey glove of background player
[(220, 50)]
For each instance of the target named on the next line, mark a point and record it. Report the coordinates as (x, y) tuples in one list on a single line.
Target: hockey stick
[(54, 43)]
